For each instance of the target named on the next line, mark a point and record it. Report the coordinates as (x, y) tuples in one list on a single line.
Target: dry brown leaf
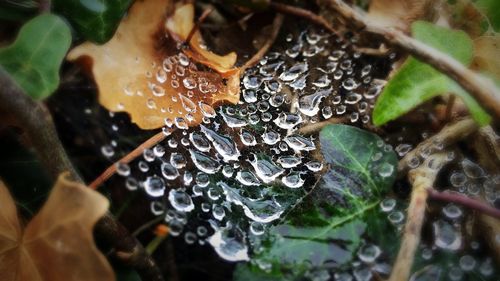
[(464, 15), (180, 25), (398, 14), (486, 55), (126, 69), (57, 245)]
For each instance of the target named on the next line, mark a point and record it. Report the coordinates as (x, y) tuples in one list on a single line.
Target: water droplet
[(388, 205), (288, 120), (168, 171), (446, 236), (266, 170), (298, 143), (247, 178), (229, 243), (472, 170), (223, 144), (294, 72), (154, 186), (204, 163), (123, 169), (309, 104), (386, 170), (369, 253)]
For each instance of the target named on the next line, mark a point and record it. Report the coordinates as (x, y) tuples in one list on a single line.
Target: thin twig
[(382, 50), (37, 122), (196, 26), (480, 87), (446, 137), (276, 26), (111, 170), (303, 13), (316, 127), (464, 201), (486, 145), (421, 178)]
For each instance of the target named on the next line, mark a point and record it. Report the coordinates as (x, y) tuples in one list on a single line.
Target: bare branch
[(422, 179)]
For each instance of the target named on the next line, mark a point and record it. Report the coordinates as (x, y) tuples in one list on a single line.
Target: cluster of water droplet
[(228, 170)]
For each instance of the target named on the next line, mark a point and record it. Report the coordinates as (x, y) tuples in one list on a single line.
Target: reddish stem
[(464, 201), (303, 13), (111, 170)]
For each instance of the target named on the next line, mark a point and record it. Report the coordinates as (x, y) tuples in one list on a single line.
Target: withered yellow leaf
[(57, 245), (486, 55), (146, 71)]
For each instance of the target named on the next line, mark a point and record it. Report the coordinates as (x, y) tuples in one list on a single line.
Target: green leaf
[(95, 20), (326, 229), (360, 162), (417, 82), (492, 10), (34, 59), (249, 272)]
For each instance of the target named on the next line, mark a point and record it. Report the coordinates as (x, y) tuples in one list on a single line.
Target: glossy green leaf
[(95, 20), (417, 82), (326, 229), (34, 59), (491, 8)]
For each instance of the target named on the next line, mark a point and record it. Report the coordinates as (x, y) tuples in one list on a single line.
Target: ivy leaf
[(492, 10), (327, 227), (34, 59), (417, 82), (96, 20)]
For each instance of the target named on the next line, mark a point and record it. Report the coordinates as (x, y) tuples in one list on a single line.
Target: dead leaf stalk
[(303, 13), (37, 122), (111, 170), (449, 135), (316, 127), (421, 179), (481, 88)]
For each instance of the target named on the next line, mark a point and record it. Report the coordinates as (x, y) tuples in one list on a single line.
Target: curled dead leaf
[(398, 14), (148, 72), (57, 245), (486, 58), (180, 25)]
